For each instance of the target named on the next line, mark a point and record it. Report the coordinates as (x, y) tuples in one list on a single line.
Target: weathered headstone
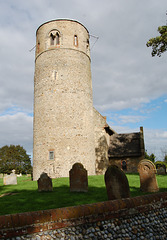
[(78, 178), (147, 172), (116, 183), (161, 170), (19, 175), (10, 179), (45, 183)]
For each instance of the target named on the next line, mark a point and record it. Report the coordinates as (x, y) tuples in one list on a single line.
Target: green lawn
[(26, 197)]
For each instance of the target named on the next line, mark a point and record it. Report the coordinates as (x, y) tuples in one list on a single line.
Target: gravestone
[(161, 170), (1, 175), (147, 172), (45, 183), (116, 183), (10, 179), (78, 178), (19, 175)]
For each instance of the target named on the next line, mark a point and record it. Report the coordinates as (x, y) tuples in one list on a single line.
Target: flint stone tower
[(63, 105)]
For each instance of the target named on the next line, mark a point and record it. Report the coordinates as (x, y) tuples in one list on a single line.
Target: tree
[(164, 154), (150, 157), (165, 158), (159, 44), (14, 157)]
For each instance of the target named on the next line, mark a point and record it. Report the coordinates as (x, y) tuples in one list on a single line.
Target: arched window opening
[(87, 44), (75, 40), (52, 39), (57, 39)]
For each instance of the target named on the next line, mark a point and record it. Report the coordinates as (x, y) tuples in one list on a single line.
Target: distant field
[(25, 197)]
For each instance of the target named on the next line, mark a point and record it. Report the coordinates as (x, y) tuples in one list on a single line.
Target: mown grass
[(26, 197)]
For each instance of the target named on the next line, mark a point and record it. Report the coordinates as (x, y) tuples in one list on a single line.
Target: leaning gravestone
[(45, 183), (78, 178), (10, 179), (116, 183), (147, 172)]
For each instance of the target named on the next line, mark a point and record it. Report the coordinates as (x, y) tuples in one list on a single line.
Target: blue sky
[(129, 85), (150, 115)]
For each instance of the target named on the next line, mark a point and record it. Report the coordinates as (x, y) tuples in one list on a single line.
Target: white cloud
[(162, 134), (123, 119), (156, 142), (16, 129), (124, 73), (122, 66)]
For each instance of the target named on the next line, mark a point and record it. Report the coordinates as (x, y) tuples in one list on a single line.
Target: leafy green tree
[(159, 43), (150, 157), (14, 157)]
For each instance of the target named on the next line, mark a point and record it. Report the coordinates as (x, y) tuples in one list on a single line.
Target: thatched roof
[(125, 145)]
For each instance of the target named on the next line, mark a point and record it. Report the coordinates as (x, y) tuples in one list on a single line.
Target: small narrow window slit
[(55, 75), (75, 40), (51, 155)]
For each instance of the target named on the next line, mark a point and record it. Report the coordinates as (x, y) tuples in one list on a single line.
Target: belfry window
[(75, 40), (57, 39), (54, 38)]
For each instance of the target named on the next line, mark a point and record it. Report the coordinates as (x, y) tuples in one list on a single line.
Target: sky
[(129, 85)]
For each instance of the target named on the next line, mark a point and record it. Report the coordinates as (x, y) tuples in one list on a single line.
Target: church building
[(67, 128)]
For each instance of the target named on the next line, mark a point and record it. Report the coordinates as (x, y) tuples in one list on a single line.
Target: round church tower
[(63, 105)]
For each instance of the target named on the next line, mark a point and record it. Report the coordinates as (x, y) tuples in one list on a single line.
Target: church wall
[(131, 163), (127, 150), (101, 143)]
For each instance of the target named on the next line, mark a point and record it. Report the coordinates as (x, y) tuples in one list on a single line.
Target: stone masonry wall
[(132, 163), (102, 140), (143, 217)]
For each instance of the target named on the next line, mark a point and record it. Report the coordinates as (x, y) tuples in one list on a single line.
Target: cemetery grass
[(24, 196)]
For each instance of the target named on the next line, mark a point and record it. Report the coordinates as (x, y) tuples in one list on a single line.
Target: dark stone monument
[(78, 178), (116, 183), (148, 181), (45, 183)]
